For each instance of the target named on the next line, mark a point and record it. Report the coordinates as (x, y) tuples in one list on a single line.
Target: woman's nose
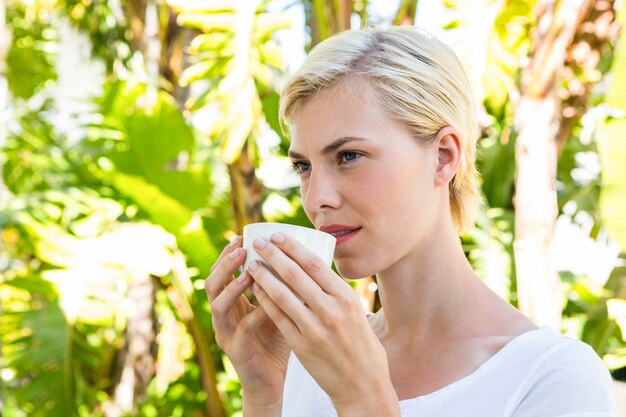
[(320, 192)]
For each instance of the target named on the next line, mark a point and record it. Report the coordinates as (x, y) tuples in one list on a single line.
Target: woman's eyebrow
[(330, 148)]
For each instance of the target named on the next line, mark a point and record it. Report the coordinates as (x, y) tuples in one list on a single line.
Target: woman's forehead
[(333, 115)]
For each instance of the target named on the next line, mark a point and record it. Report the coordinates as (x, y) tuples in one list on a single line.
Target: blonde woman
[(383, 133)]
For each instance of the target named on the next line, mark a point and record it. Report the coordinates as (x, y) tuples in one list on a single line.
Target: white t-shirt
[(538, 374)]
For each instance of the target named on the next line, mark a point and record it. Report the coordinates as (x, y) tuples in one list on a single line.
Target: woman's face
[(365, 180)]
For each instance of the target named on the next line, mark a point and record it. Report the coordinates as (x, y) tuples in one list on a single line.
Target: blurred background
[(137, 137)]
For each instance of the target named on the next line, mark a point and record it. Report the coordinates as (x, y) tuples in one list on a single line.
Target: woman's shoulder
[(545, 348), (560, 371), (542, 360), (566, 355)]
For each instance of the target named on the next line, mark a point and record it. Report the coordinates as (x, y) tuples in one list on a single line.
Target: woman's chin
[(352, 271)]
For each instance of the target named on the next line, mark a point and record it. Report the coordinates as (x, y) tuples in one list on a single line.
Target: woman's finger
[(281, 304), (234, 244), (310, 263), (248, 326), (285, 324), (222, 275), (291, 273), (225, 301)]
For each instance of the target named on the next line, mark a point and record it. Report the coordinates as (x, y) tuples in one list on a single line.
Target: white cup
[(320, 243)]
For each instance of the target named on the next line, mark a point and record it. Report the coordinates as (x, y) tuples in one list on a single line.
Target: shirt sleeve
[(571, 382)]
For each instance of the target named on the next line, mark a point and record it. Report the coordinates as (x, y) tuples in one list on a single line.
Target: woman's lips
[(345, 235), (340, 232)]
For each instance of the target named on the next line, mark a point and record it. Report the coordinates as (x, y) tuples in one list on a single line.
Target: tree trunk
[(183, 299), (537, 120), (538, 286), (173, 60), (137, 359), (327, 18), (247, 191), (135, 14)]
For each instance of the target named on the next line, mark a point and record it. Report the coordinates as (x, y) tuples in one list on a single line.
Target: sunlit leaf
[(43, 378), (612, 148), (271, 55), (204, 5), (616, 310), (268, 23), (214, 41), (138, 248), (203, 21), (453, 24), (195, 72), (262, 73), (177, 219), (238, 121)]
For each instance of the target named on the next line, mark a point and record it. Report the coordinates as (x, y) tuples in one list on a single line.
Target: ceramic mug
[(320, 243)]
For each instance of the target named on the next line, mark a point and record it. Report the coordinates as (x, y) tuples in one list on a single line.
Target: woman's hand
[(251, 341), (325, 325)]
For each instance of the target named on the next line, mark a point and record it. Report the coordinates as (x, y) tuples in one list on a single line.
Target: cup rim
[(295, 226)]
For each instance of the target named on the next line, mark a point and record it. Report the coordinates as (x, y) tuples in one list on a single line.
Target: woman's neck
[(428, 291)]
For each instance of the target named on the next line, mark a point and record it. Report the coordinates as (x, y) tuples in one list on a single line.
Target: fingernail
[(241, 278), (233, 241), (235, 253), (253, 265), (278, 237), (260, 243)]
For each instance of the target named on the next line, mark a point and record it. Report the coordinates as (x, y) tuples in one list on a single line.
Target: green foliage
[(88, 247), (598, 318), (41, 382), (147, 136), (489, 248), (143, 196), (235, 62), (149, 159), (182, 397), (52, 319), (100, 20), (496, 164), (32, 53), (508, 43), (583, 190), (34, 154), (613, 147)]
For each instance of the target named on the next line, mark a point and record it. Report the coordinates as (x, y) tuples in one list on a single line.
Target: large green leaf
[(151, 124), (612, 147), (36, 348), (177, 219), (153, 140)]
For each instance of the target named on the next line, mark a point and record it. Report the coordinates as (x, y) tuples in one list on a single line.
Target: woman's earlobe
[(449, 150)]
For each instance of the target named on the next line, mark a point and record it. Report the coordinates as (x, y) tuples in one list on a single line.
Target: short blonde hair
[(416, 77)]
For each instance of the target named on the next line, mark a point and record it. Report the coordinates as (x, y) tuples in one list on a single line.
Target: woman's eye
[(301, 167), (349, 156)]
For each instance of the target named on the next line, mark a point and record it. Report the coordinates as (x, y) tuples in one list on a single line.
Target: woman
[(383, 134)]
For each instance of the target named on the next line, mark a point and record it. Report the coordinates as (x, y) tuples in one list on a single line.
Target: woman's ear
[(448, 146)]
